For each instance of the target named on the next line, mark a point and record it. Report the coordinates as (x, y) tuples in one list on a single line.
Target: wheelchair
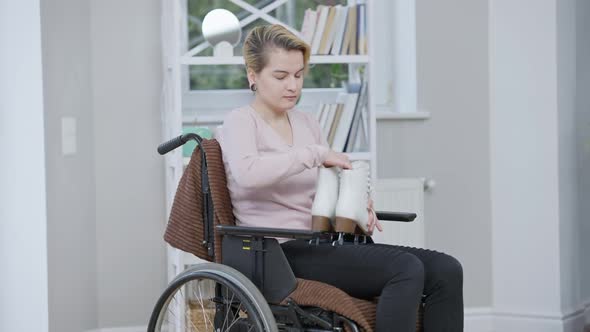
[(247, 283)]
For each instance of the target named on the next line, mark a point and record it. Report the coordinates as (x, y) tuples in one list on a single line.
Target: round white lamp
[(221, 28)]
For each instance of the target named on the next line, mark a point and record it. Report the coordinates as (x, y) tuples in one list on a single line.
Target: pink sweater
[(271, 183)]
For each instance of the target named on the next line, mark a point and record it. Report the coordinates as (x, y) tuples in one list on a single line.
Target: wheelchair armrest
[(266, 232), (395, 216)]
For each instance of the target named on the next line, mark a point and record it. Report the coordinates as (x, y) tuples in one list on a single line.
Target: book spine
[(319, 29)]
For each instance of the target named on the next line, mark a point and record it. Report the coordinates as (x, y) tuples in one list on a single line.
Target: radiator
[(400, 195)]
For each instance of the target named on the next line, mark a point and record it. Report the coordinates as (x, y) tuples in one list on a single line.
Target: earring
[(253, 87)]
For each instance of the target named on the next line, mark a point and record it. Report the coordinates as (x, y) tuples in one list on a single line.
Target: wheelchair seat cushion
[(327, 297)]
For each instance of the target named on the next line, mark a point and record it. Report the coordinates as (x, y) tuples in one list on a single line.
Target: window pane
[(218, 77), (233, 76), (291, 13), (326, 76)]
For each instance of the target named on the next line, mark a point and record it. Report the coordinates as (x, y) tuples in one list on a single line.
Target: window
[(219, 77), (208, 91)]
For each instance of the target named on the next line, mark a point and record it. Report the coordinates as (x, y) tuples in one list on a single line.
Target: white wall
[(533, 162), (452, 147), (23, 219), (524, 156), (130, 195), (71, 235), (583, 141), (569, 220)]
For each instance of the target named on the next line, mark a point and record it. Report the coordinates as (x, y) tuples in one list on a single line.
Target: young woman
[(272, 153)]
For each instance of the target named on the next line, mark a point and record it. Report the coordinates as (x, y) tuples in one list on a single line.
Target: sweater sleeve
[(253, 170)]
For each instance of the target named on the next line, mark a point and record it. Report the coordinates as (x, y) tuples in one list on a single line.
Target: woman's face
[(279, 83)]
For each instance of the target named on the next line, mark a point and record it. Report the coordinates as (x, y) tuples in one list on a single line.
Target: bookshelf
[(178, 98)]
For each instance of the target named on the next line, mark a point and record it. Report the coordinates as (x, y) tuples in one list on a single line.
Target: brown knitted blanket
[(185, 230)]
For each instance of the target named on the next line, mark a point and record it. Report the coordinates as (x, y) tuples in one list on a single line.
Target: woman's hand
[(337, 159), (373, 221)]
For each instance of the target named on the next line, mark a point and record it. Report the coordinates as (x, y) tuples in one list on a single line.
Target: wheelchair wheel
[(211, 297)]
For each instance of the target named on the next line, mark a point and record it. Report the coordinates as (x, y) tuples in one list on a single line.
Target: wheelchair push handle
[(177, 141)]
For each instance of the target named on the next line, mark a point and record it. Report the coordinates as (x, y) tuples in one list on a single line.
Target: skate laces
[(373, 221)]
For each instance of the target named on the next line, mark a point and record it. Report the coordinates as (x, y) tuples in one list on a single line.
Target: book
[(327, 30), (340, 32), (356, 120), (309, 25), (364, 134), (335, 123), (330, 113), (324, 118), (322, 12), (319, 113), (334, 27), (345, 121), (353, 48), (361, 28), (349, 41)]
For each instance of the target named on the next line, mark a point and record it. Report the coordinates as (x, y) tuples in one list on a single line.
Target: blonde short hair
[(263, 37)]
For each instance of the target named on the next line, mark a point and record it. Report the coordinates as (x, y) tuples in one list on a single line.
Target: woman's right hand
[(337, 159)]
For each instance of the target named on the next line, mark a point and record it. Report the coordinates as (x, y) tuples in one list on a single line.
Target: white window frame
[(395, 56)]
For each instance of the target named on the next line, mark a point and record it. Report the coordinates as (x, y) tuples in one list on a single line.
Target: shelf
[(238, 60)]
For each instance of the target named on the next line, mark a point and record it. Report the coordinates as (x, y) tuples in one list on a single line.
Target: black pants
[(400, 276)]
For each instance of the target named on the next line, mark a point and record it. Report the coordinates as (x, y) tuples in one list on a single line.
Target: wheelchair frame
[(248, 251)]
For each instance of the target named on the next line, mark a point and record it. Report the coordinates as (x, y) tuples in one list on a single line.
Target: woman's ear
[(251, 77)]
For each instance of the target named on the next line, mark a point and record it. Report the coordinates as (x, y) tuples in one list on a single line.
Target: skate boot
[(353, 197), (324, 203)]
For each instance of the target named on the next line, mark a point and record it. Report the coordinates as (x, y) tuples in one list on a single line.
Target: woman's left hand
[(373, 221)]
